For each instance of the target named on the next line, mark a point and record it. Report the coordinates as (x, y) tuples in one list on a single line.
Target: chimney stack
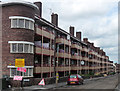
[(78, 35), (71, 30), (54, 19), (92, 44), (85, 40), (39, 4)]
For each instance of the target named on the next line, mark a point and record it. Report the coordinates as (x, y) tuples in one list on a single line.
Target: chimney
[(92, 44), (85, 40), (39, 4), (54, 19), (78, 35), (71, 30)]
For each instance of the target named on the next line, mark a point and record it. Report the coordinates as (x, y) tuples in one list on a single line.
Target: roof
[(13, 2), (57, 28)]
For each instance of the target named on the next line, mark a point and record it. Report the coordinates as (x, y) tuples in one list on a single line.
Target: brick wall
[(9, 34)]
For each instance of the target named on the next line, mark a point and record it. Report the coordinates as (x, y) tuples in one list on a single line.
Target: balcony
[(75, 57), (43, 69), (45, 33), (85, 58), (75, 68), (85, 49), (39, 50), (97, 67), (63, 41), (91, 60), (92, 52), (63, 68), (91, 68), (85, 67), (75, 46), (62, 55)]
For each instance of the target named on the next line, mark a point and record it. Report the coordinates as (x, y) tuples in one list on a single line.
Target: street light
[(57, 75)]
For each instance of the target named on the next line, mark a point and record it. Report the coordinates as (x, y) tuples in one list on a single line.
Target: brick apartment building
[(44, 46)]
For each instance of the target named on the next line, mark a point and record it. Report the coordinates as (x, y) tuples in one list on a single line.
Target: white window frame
[(27, 67), (24, 18), (21, 42)]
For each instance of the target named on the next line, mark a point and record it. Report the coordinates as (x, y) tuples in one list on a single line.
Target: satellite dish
[(82, 62)]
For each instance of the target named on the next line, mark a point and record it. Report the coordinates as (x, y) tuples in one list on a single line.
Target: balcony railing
[(85, 49), (44, 32), (91, 67), (85, 67), (85, 58), (76, 68), (75, 46), (43, 69), (75, 57), (63, 54), (39, 50), (63, 68), (63, 41)]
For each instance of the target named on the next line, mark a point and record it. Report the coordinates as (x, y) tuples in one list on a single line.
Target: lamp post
[(57, 75)]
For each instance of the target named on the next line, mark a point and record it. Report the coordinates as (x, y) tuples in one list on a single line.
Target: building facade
[(45, 48)]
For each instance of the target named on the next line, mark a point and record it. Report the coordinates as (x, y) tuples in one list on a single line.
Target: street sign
[(42, 82), (18, 78), (19, 63), (21, 69), (26, 80), (57, 76)]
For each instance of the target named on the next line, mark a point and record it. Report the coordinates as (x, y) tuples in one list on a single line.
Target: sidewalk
[(48, 86), (118, 87), (37, 87)]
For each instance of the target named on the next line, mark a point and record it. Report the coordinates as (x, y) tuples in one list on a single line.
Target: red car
[(75, 79)]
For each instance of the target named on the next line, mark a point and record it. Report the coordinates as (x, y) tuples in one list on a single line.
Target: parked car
[(75, 79)]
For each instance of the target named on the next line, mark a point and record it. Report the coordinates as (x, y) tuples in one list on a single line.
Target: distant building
[(117, 68), (45, 48)]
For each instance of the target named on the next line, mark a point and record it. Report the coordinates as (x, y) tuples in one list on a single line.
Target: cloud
[(96, 19)]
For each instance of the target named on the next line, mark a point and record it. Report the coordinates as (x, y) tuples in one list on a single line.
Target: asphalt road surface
[(108, 83), (100, 84)]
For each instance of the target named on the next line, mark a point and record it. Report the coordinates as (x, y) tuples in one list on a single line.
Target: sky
[(96, 19)]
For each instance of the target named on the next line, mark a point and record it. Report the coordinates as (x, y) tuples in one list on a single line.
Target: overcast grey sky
[(96, 19)]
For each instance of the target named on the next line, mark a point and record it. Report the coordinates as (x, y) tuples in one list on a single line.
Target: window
[(21, 47), (22, 22), (79, 76), (14, 72), (27, 24), (14, 47), (14, 23), (26, 48)]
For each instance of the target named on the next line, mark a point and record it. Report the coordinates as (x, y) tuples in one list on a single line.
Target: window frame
[(30, 44), (30, 22), (23, 73)]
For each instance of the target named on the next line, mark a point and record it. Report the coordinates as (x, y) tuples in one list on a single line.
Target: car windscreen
[(73, 76)]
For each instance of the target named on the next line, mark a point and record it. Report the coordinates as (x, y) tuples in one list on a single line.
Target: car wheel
[(82, 83), (79, 83), (68, 83)]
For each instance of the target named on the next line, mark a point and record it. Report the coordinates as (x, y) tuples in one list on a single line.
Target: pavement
[(117, 87), (37, 87), (49, 86)]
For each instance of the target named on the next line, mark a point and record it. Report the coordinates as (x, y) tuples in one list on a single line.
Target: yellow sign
[(57, 76), (19, 63)]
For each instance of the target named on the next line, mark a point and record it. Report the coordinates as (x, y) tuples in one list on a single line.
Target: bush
[(87, 76), (111, 73)]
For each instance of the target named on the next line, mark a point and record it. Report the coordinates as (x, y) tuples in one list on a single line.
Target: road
[(103, 83), (108, 83)]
